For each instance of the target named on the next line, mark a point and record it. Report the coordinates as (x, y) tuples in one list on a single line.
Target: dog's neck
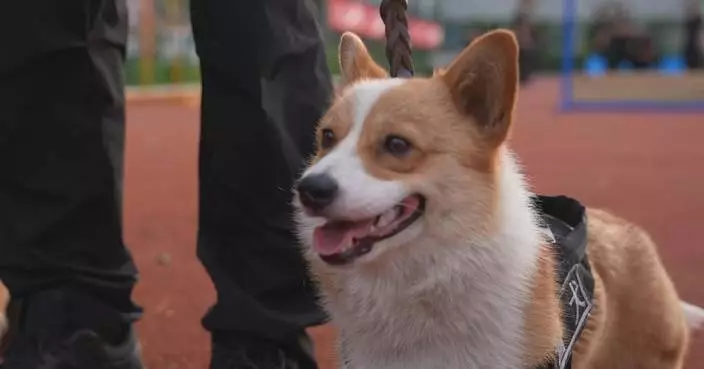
[(453, 306)]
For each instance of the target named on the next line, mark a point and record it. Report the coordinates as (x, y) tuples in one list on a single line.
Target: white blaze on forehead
[(365, 95), (361, 195)]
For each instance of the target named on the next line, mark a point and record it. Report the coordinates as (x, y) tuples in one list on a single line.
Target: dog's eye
[(327, 139), (397, 146)]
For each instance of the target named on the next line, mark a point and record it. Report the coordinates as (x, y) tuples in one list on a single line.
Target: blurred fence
[(161, 48), (667, 37), (160, 45)]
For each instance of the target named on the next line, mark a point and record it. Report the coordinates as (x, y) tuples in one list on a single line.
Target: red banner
[(363, 19)]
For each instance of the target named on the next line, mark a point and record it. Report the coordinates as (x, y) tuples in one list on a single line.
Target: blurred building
[(161, 49), (552, 10), (362, 17), (464, 18)]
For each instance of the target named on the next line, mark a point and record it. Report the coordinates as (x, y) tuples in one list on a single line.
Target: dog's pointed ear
[(355, 62), (483, 81)]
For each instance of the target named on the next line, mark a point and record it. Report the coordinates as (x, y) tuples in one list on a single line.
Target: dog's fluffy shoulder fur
[(471, 284)]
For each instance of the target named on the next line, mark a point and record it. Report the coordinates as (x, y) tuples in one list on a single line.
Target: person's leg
[(61, 143), (255, 135), (617, 51), (692, 50)]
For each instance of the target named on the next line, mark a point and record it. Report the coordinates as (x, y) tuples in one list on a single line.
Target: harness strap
[(565, 219)]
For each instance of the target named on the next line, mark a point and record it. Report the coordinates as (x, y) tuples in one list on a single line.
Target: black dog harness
[(564, 219)]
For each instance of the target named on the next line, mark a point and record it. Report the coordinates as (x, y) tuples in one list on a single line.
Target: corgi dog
[(419, 228)]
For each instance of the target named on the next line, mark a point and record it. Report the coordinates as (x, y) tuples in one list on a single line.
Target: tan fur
[(335, 121), (637, 311), (355, 62), (4, 300), (637, 321), (483, 82), (458, 140), (543, 326), (427, 141)]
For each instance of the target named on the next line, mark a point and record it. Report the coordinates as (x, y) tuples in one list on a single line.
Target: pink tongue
[(333, 238)]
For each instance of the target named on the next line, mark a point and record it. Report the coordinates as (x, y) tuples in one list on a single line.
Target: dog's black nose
[(317, 191)]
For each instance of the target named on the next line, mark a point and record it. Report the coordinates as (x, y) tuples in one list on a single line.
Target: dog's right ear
[(355, 62), (483, 81)]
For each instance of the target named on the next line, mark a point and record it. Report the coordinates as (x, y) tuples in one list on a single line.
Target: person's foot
[(230, 351), (65, 329)]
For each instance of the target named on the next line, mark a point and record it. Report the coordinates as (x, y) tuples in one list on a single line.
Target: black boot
[(66, 329), (231, 351)]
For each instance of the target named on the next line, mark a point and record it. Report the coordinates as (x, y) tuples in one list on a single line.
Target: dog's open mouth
[(339, 242)]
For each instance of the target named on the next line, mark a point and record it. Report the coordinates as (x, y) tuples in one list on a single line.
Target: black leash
[(398, 38)]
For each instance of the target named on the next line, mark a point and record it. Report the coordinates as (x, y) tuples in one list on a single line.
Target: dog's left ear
[(483, 81), (355, 62)]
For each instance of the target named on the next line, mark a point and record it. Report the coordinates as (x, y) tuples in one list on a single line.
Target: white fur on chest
[(445, 307)]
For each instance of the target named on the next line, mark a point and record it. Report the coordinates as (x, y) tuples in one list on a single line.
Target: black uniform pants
[(265, 84)]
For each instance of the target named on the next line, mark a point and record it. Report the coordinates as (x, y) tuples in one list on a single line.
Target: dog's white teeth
[(386, 218)]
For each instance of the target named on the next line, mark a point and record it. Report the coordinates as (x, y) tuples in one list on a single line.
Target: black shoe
[(65, 329), (238, 352)]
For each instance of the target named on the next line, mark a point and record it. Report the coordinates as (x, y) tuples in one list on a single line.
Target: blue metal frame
[(569, 104)]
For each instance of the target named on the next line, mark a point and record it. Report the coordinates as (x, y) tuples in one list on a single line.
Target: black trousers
[(265, 84)]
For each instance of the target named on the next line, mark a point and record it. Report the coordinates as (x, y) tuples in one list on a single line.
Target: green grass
[(190, 73)]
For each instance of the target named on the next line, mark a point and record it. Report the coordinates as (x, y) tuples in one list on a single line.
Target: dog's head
[(405, 161)]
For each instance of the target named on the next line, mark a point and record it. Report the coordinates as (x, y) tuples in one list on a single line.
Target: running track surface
[(646, 167)]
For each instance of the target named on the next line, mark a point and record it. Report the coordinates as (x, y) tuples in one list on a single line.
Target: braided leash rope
[(398, 38)]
